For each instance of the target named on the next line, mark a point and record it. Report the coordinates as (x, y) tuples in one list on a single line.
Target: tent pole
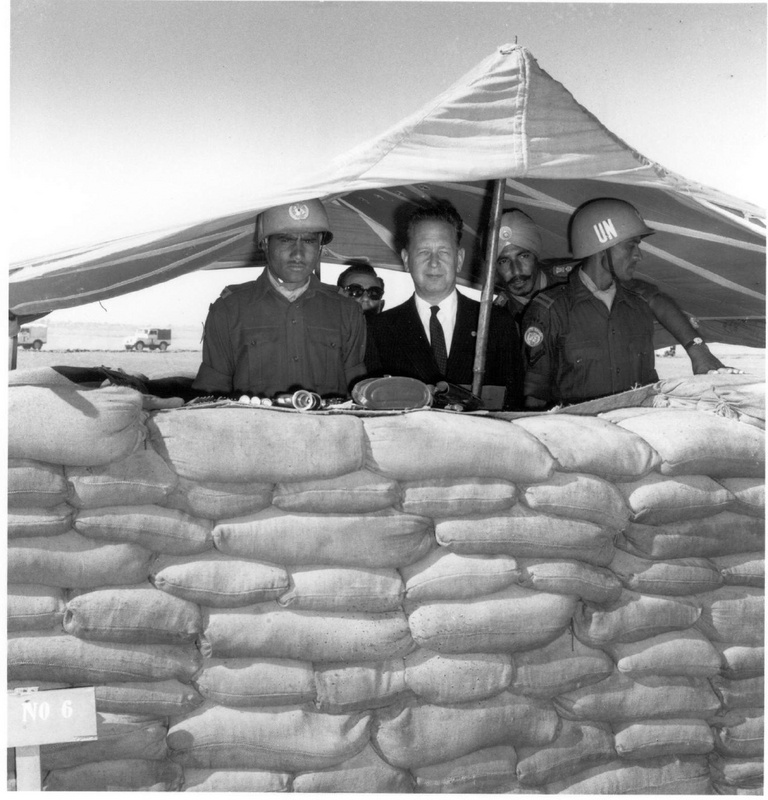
[(483, 325)]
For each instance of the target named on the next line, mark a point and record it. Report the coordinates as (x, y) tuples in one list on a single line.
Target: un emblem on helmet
[(298, 211)]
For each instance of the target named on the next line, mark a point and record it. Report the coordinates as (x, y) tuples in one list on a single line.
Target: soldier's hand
[(726, 371)]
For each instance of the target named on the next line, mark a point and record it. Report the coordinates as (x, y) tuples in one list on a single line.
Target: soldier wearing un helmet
[(286, 330)]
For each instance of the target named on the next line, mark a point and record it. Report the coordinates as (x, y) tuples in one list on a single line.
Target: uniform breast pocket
[(263, 349), (325, 349), (582, 352)]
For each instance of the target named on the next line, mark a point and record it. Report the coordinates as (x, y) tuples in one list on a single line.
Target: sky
[(129, 116)]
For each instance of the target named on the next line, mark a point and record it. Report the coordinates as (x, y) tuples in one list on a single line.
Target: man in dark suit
[(432, 336)]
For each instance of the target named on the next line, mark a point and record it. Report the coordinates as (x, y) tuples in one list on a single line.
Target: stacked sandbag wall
[(427, 602)]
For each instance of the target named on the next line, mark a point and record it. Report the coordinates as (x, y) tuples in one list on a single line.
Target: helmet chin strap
[(610, 266)]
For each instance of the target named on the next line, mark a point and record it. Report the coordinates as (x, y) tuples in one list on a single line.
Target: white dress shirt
[(446, 316)]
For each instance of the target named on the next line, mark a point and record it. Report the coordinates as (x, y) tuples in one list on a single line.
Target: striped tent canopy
[(505, 120)]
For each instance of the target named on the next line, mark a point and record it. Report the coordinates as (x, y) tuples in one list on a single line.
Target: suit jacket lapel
[(463, 343)]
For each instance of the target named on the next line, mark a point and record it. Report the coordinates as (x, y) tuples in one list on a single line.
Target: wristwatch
[(696, 340)]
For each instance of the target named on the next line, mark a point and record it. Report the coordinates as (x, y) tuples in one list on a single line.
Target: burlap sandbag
[(739, 733), (744, 693), (426, 445), (243, 682), (445, 678), (696, 443), (240, 445), (214, 579), (579, 496), (356, 687), (357, 492), (381, 539), (662, 737), (451, 497), (266, 630), (511, 620), (60, 657), (154, 699), (120, 775), (34, 607), (680, 576), (737, 775), (142, 478), (422, 735), (593, 446), (523, 533), (749, 494), (372, 591), (747, 569), (219, 500), (162, 530), (288, 738), (71, 561), (578, 744), (365, 772), (559, 667), (663, 775), (72, 426), (490, 770), (733, 614), (741, 661), (24, 523), (443, 575), (571, 577), (34, 484), (140, 614), (677, 653), (235, 780), (620, 698)]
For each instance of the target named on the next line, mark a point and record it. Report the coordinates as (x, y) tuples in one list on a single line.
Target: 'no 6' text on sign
[(58, 715)]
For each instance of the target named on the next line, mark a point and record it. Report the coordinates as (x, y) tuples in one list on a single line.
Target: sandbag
[(285, 738), (720, 535), (34, 484), (733, 614), (60, 657), (382, 539), (119, 775), (217, 580), (120, 736), (662, 737), (373, 591), (740, 661), (593, 446), (365, 772), (577, 745), (72, 426), (631, 618), (422, 735), (620, 698), (658, 499), (748, 493), (162, 530), (152, 698), (268, 631), (142, 478), (443, 575), (358, 492), (74, 562), (24, 523), (427, 445), (571, 577), (450, 497), (744, 693), (215, 500), (140, 614), (490, 770), (351, 687), (694, 443), (444, 678), (507, 621), (34, 607), (737, 773), (677, 653), (241, 445), (739, 733), (664, 775), (579, 496), (676, 577), (235, 780), (243, 682), (747, 569), (523, 533), (559, 667)]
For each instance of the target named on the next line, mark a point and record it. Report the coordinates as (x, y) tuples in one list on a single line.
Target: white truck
[(33, 336), (151, 338)]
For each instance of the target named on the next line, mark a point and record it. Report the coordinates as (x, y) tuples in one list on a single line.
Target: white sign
[(48, 717)]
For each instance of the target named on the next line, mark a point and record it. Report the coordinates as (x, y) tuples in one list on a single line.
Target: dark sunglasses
[(356, 290)]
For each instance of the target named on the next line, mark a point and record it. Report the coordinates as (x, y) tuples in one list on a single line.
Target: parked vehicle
[(152, 338), (33, 336)]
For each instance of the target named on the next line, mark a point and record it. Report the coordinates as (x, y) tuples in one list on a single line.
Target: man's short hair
[(358, 269), (437, 211)]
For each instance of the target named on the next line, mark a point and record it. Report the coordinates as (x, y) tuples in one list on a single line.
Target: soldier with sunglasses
[(361, 282)]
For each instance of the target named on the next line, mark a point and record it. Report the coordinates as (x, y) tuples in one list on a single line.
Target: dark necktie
[(438, 340)]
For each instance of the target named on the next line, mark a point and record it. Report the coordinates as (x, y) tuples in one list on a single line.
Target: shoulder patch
[(533, 336)]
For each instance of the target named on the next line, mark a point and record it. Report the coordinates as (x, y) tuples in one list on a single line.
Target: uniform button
[(293, 322), (295, 358), (618, 370)]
